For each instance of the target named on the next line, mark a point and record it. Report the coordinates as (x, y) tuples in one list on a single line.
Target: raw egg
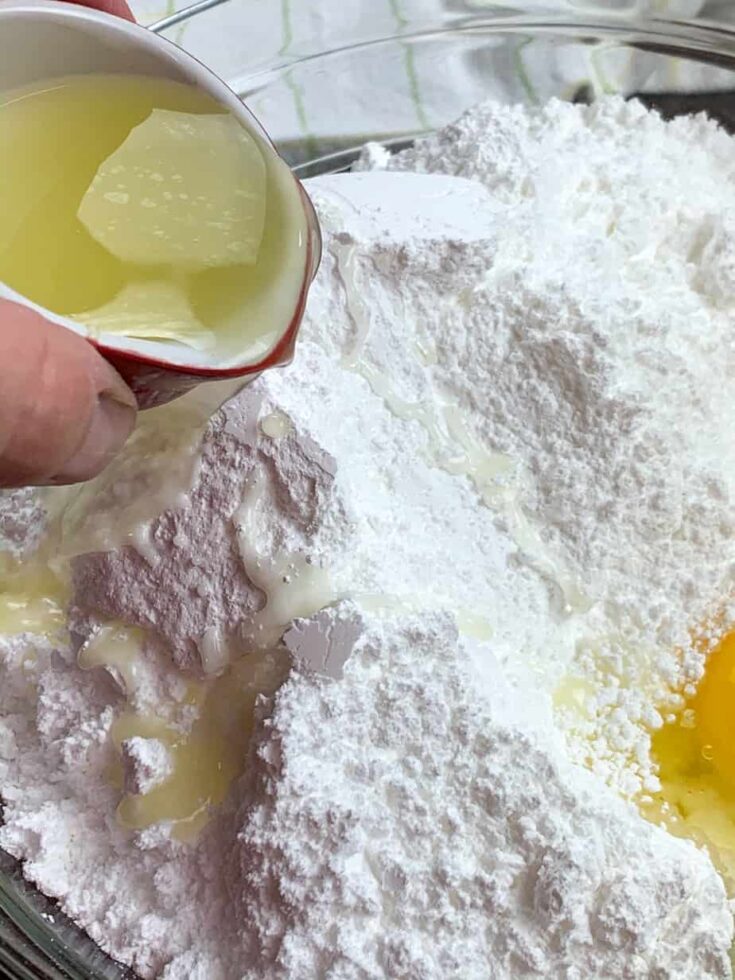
[(695, 754)]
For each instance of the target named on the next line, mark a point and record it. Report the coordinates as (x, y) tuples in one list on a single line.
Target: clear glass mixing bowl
[(323, 86)]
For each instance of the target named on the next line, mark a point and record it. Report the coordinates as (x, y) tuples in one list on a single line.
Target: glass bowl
[(323, 87)]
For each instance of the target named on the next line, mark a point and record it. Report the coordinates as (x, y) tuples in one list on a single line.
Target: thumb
[(64, 411)]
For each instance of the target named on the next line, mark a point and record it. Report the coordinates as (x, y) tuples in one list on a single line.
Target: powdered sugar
[(439, 840), (602, 327), (148, 763), (600, 319), (498, 461)]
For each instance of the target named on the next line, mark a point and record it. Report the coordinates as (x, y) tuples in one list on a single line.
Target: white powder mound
[(606, 341), (190, 583), (498, 457), (144, 900), (397, 823), (417, 831), (597, 353)]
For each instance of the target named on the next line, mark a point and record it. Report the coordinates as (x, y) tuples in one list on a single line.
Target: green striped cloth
[(373, 88)]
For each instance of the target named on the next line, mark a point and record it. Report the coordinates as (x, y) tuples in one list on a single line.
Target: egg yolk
[(695, 754), (714, 711)]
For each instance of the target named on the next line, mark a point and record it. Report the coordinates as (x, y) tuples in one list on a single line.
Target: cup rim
[(160, 47)]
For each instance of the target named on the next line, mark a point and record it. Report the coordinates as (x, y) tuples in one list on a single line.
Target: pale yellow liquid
[(207, 759), (141, 208), (32, 599)]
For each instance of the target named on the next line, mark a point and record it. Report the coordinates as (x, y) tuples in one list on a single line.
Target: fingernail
[(111, 424)]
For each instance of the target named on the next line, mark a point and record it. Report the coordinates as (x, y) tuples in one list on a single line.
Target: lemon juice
[(141, 208)]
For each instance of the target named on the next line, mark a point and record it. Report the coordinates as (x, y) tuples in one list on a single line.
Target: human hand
[(64, 411)]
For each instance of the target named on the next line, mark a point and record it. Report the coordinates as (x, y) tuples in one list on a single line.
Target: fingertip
[(110, 425), (64, 411)]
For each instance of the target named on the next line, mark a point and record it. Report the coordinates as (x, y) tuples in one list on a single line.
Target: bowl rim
[(624, 27)]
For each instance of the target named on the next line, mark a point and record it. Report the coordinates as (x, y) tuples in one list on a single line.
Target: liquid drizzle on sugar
[(276, 425), (210, 753), (207, 755), (294, 584), (117, 648), (154, 472), (33, 599), (207, 758), (453, 448)]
